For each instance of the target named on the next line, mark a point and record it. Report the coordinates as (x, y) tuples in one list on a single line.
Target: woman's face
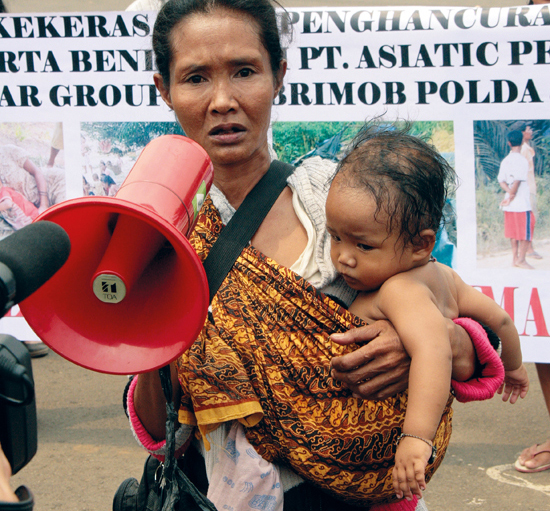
[(221, 85)]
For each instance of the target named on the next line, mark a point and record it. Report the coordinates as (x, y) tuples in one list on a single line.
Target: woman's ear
[(424, 244), (280, 77), (164, 91)]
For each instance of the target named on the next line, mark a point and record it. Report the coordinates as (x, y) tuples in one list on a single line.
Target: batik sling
[(263, 358)]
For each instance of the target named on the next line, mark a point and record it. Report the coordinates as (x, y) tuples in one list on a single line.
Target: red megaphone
[(133, 294)]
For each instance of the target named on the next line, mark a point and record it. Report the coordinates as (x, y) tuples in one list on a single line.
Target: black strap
[(244, 223)]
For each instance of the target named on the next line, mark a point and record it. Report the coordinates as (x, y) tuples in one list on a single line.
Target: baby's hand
[(411, 459), (516, 384)]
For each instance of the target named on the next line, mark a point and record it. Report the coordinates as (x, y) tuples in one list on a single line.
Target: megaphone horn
[(133, 294)]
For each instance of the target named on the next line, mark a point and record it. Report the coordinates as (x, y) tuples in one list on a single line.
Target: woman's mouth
[(227, 132)]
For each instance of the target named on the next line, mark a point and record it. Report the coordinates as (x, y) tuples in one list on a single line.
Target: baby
[(383, 209)]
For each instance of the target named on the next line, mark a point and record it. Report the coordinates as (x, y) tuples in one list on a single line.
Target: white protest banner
[(464, 76)]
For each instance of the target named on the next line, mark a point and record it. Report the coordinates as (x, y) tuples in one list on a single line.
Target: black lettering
[(80, 57), (96, 26), (7, 62), (425, 89), (365, 24), (338, 94), (102, 59), (531, 91), (28, 94), (120, 27), (499, 93), (385, 16), (375, 93), (71, 24), (459, 19), (394, 89), (519, 17), (366, 57), (46, 29), (424, 57), (458, 92), (20, 25), (543, 50), (109, 95), (481, 54), (484, 18), (441, 18), (7, 97), (339, 22), (309, 23), (298, 92), (54, 96), (472, 89), (386, 55), (141, 28), (84, 95)]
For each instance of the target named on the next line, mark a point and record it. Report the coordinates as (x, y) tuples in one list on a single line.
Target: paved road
[(85, 448)]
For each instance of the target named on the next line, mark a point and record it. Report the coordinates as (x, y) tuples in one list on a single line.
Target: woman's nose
[(223, 99)]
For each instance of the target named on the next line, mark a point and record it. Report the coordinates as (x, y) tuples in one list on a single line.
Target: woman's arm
[(150, 403)]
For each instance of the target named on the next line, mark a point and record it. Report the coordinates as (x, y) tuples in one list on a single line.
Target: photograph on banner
[(110, 150), (32, 172), (508, 151), (294, 142)]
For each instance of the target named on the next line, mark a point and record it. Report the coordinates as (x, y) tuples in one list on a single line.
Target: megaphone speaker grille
[(164, 308)]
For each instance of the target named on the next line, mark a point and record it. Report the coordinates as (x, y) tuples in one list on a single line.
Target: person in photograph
[(528, 152), (15, 210), (96, 187), (519, 221), (42, 187), (268, 367), (56, 143), (384, 208), (109, 185)]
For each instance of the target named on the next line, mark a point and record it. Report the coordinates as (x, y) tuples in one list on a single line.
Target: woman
[(220, 67)]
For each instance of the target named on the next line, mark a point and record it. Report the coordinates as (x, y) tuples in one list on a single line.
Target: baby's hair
[(407, 177)]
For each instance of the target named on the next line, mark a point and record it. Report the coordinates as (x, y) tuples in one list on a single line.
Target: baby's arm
[(474, 304), (410, 307)]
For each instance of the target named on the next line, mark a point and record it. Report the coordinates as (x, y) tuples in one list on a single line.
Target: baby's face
[(362, 250)]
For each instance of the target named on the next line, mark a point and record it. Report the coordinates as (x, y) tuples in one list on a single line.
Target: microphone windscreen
[(33, 254)]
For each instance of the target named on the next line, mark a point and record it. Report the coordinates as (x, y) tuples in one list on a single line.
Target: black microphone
[(28, 258)]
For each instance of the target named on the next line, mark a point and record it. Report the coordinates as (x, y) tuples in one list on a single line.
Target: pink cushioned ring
[(492, 374)]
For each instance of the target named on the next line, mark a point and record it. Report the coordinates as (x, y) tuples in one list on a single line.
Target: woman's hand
[(376, 370), (380, 369)]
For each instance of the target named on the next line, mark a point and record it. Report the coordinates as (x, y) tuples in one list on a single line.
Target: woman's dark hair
[(174, 11), (407, 177)]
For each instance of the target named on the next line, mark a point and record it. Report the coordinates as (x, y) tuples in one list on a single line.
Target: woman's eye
[(245, 73), (335, 238), (195, 79)]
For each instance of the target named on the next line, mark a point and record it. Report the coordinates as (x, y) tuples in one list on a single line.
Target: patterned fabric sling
[(263, 358)]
